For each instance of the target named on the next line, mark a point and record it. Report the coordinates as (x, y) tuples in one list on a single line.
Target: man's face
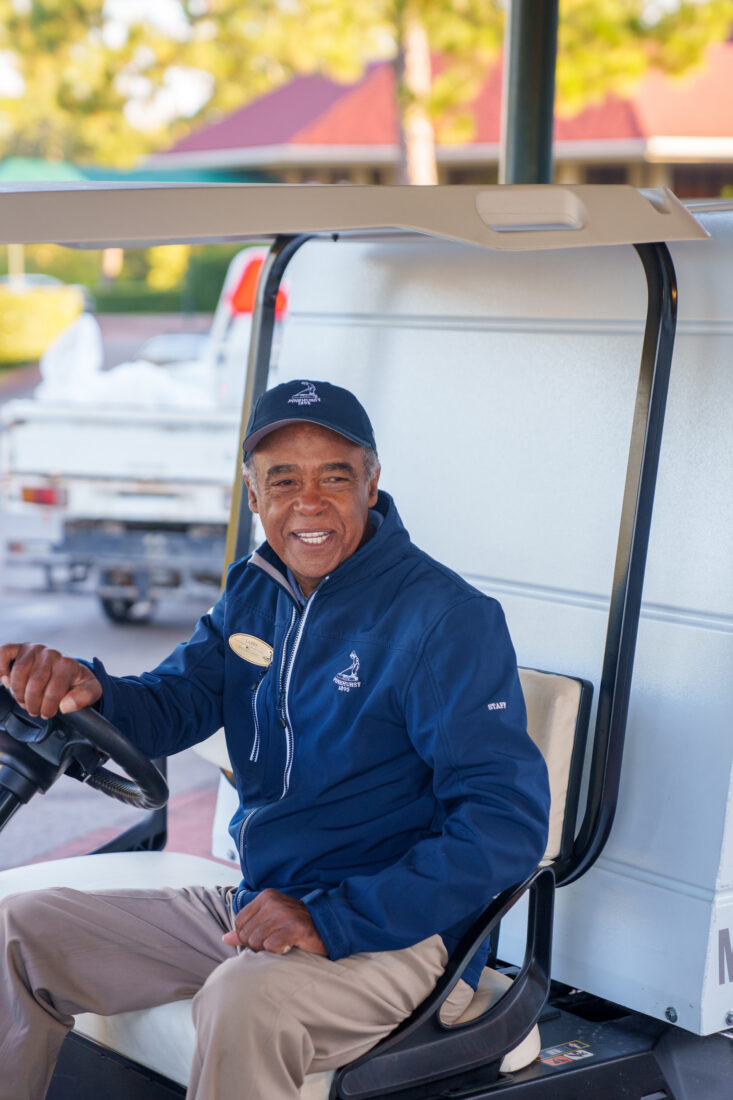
[(313, 497)]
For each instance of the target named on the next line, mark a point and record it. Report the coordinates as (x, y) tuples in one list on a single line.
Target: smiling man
[(312, 487), (388, 787)]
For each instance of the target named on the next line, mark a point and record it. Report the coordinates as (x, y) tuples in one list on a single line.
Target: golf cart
[(625, 999)]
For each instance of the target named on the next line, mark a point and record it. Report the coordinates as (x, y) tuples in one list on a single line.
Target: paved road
[(75, 625)]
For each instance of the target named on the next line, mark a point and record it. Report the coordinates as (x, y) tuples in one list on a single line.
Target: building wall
[(686, 180)]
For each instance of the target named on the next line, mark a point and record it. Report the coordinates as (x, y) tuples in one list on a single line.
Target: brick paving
[(190, 820), (17, 379)]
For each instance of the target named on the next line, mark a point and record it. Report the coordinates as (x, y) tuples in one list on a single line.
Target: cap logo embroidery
[(349, 678), (306, 396)]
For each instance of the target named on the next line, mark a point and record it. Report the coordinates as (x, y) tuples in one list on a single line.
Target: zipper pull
[(260, 678)]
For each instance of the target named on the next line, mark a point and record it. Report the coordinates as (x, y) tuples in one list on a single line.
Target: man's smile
[(312, 538)]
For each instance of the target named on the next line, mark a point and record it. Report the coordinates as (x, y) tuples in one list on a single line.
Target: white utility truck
[(128, 472), (551, 392)]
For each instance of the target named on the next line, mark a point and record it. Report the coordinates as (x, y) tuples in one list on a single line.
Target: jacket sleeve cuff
[(105, 705), (328, 925)]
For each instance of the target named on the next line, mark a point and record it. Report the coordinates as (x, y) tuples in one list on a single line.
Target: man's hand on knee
[(275, 922)]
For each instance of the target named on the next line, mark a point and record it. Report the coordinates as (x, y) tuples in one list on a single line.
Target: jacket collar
[(388, 543)]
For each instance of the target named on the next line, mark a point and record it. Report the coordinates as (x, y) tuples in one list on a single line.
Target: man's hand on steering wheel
[(44, 682), (48, 728)]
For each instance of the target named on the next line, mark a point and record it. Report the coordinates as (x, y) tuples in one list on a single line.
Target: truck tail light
[(47, 495), (242, 298)]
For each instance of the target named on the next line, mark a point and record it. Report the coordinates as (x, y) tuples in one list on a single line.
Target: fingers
[(20, 669), (85, 694), (261, 918), (43, 681), (275, 922), (277, 943), (8, 653), (31, 674)]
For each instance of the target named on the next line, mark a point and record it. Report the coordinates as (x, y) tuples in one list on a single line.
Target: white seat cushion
[(214, 749), (162, 1038), (552, 710), (119, 869)]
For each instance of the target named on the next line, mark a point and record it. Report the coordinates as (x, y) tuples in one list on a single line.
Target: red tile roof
[(313, 110), (274, 119), (365, 113), (699, 104)]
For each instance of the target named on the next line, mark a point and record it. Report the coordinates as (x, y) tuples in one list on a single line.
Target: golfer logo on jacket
[(349, 678)]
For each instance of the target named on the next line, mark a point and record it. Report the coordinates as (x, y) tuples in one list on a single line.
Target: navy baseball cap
[(315, 402)]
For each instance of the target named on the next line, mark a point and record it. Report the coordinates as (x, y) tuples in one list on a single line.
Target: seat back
[(558, 710)]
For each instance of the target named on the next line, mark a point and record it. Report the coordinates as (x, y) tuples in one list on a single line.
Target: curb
[(19, 378)]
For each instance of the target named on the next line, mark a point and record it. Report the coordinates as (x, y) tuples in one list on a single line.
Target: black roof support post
[(283, 249), (628, 576), (528, 96)]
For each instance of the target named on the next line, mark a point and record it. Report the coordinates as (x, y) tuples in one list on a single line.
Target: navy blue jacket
[(382, 760)]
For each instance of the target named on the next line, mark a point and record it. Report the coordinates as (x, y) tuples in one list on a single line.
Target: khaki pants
[(262, 1021)]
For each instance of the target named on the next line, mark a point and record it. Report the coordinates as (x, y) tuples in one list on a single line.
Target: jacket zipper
[(243, 861), (284, 687), (286, 669), (254, 754), (245, 823)]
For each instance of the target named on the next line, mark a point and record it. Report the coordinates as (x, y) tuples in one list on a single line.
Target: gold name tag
[(251, 649)]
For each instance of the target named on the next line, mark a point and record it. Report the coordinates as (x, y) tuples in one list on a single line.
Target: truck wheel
[(120, 610)]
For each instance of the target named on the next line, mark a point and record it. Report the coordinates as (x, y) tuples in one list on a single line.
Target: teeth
[(313, 538)]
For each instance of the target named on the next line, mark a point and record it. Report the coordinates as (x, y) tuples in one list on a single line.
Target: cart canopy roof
[(509, 218)]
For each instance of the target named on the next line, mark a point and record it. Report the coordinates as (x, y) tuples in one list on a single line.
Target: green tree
[(339, 38), (606, 46), (441, 50), (69, 103), (83, 72)]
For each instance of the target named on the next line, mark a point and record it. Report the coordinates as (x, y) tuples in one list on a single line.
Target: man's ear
[(373, 488), (251, 495)]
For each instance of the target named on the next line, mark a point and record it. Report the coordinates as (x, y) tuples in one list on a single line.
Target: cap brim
[(254, 438)]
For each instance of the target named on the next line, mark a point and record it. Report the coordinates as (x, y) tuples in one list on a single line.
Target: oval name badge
[(251, 649)]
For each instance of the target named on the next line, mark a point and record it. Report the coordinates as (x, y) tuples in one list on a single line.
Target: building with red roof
[(676, 132)]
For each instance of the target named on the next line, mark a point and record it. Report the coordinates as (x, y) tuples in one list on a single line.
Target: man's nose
[(310, 500)]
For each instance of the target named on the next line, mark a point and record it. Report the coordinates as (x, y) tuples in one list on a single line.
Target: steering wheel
[(34, 752)]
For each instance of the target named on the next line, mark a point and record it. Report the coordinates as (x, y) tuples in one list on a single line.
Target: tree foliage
[(83, 74), (69, 102), (606, 46)]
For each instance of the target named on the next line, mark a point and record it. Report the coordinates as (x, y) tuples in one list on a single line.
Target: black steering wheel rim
[(145, 788)]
